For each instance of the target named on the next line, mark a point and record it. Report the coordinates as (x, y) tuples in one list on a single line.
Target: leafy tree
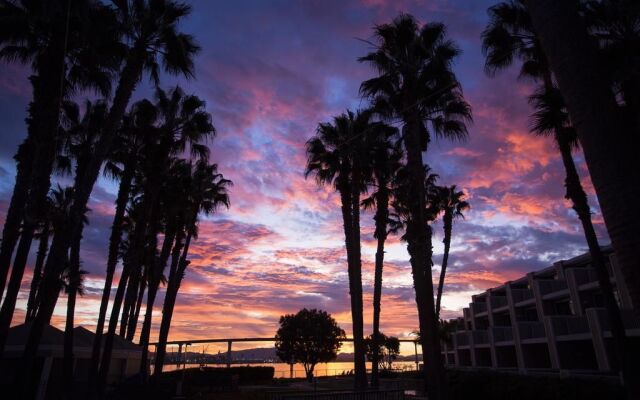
[(308, 337), (389, 348)]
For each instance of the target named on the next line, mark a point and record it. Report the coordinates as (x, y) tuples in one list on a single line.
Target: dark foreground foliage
[(479, 385), (196, 381)]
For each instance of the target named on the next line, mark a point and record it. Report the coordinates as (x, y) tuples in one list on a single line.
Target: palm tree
[(65, 55), (451, 202), (184, 126), (206, 191), (151, 30), (415, 84), (122, 164), (337, 156), (385, 162), (510, 35)]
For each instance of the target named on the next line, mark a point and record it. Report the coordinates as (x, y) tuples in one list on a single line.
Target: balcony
[(480, 337), (520, 295), (551, 286), (629, 320), (584, 276), (502, 333), (498, 301), (479, 307), (531, 330), (462, 339), (569, 325)]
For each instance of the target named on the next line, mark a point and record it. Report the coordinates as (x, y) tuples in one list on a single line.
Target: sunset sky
[(270, 71)]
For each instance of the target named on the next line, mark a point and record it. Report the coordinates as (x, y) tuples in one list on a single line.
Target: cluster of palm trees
[(156, 149), (364, 151), (417, 90)]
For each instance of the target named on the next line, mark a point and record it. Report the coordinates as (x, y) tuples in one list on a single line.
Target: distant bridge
[(230, 342)]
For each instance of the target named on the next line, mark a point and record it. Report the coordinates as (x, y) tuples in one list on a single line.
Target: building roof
[(53, 336)]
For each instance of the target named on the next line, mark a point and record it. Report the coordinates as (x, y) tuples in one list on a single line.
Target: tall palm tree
[(337, 156), (123, 163), (206, 191), (510, 35), (151, 31), (385, 161), (184, 125), (416, 85), (450, 202), (65, 55)]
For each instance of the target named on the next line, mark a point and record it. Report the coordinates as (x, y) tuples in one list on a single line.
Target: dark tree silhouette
[(388, 348), (308, 337)]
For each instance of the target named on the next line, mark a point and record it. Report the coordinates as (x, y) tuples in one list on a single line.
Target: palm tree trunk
[(355, 285), (134, 314), (128, 308), (43, 247), (382, 215), (128, 80), (169, 303), (112, 260), (145, 333), (44, 114), (419, 250), (11, 228), (607, 141), (448, 227), (580, 204)]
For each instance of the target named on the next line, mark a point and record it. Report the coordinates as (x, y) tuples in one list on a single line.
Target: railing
[(480, 337), (566, 325), (498, 301), (531, 330), (479, 307), (341, 395), (584, 275), (502, 333), (629, 319), (551, 285), (462, 338), (521, 295)]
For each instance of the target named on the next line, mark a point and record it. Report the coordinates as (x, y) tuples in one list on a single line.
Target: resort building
[(125, 361), (548, 320)]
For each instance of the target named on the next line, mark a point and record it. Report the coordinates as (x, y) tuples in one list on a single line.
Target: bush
[(478, 385)]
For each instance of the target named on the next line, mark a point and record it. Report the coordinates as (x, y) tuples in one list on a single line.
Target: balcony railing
[(551, 285), (569, 325), (629, 319), (584, 275), (502, 333), (479, 307), (462, 338), (480, 337), (531, 330), (498, 301), (520, 295)]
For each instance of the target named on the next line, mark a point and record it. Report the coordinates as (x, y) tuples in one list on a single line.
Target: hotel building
[(548, 320)]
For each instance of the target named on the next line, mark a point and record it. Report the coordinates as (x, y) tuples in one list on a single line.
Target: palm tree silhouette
[(451, 204), (509, 36), (204, 190), (65, 55), (337, 156), (415, 85), (385, 160)]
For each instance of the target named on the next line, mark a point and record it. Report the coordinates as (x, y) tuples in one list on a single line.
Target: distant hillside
[(259, 354)]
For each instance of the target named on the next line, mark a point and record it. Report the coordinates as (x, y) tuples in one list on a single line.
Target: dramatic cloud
[(270, 72)]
